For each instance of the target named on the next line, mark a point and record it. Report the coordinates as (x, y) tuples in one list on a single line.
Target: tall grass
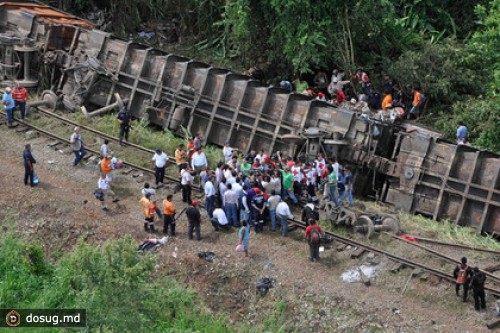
[(142, 133)]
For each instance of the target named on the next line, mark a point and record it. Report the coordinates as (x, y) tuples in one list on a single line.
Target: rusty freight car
[(412, 169)]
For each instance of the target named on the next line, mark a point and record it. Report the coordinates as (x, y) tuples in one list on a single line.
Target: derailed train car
[(409, 168)]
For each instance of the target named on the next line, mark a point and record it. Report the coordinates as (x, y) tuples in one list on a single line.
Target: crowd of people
[(251, 191), (359, 94)]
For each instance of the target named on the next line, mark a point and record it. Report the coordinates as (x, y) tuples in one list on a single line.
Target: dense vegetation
[(450, 47), (114, 283)]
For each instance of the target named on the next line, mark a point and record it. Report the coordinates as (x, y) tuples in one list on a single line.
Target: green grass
[(147, 136)]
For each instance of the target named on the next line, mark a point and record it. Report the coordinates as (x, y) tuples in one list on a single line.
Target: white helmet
[(8, 90)]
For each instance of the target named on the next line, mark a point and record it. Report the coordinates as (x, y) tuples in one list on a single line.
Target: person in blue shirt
[(9, 104), (29, 171), (462, 131), (347, 182)]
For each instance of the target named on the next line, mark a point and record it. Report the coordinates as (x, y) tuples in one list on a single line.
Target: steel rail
[(391, 256), (56, 137), (436, 253), (428, 240), (299, 223)]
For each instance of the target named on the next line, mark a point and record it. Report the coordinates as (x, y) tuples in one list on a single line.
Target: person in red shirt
[(363, 79), (340, 96), (313, 236), (20, 95)]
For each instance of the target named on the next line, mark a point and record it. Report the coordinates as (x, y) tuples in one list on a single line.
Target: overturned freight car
[(409, 168)]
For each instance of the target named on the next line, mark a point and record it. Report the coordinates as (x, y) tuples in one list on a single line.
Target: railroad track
[(298, 223)]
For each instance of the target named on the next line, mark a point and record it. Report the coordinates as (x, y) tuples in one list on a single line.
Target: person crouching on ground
[(169, 215), (194, 220), (148, 209), (313, 236), (244, 237), (219, 219)]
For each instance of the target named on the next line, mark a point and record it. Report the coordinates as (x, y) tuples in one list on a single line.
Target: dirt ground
[(61, 210)]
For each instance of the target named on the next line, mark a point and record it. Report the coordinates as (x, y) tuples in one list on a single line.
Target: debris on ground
[(206, 255), (152, 244), (359, 274), (264, 284)]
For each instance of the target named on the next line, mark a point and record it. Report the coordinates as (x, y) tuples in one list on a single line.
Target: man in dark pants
[(159, 162), (169, 215), (313, 236), (477, 285), (28, 165), (462, 275), (125, 120), (186, 183), (194, 220)]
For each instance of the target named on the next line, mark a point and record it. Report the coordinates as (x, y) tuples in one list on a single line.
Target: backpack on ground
[(315, 236), (462, 274), (99, 195)]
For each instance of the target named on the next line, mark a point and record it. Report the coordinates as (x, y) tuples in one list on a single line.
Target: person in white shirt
[(186, 183), (310, 172), (227, 151), (283, 213), (103, 186), (199, 161), (159, 161), (219, 219), (320, 165), (209, 196)]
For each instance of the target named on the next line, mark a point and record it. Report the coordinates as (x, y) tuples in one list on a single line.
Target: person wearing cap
[(287, 85), (20, 95), (125, 119), (148, 209), (347, 182), (194, 220), (462, 273), (321, 97), (159, 161), (9, 105), (477, 285), (77, 146)]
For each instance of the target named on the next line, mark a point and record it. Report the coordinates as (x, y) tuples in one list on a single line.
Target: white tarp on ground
[(354, 275)]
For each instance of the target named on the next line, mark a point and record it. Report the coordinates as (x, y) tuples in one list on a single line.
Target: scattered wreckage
[(86, 69)]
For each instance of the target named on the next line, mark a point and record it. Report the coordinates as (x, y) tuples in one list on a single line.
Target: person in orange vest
[(148, 209), (169, 215), (20, 95), (462, 274), (106, 167)]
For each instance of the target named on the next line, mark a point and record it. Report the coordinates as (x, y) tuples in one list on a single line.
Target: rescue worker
[(169, 215), (148, 209), (462, 275), (194, 220), (20, 95), (125, 119), (477, 285), (313, 236)]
